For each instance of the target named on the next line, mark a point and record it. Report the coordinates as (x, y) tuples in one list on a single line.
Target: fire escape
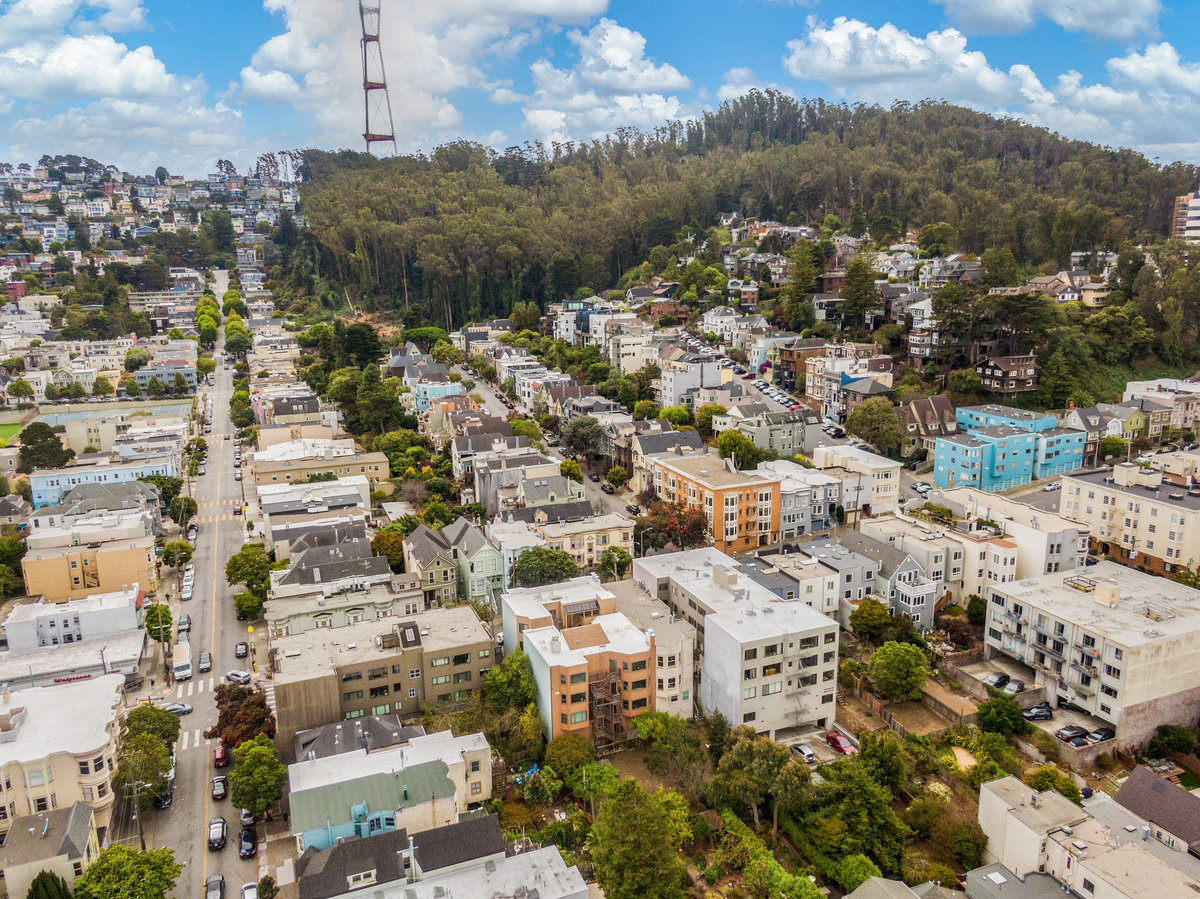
[(604, 707)]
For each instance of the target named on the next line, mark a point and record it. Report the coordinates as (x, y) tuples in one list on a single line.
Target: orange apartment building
[(742, 507), (594, 668)]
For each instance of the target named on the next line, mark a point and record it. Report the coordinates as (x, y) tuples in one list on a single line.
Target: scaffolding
[(604, 708)]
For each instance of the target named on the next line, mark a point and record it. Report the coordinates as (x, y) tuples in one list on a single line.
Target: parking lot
[(814, 740)]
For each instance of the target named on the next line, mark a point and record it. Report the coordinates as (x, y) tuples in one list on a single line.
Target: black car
[(633, 510), (248, 842), (608, 488), (1039, 712), (241, 649), (595, 478), (1070, 706), (1071, 732), (185, 624), (997, 680), (216, 833), (164, 799)]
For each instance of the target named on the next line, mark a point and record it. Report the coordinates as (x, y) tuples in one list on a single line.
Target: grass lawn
[(8, 432), (1188, 780)]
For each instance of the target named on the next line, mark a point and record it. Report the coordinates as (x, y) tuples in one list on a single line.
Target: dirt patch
[(965, 759), (629, 763), (917, 718), (853, 714)]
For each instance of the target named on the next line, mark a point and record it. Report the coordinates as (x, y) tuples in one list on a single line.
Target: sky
[(181, 83)]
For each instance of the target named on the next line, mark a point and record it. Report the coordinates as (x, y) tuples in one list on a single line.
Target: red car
[(841, 744), (220, 756)]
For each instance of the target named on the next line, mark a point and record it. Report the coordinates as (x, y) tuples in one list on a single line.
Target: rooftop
[(304, 448), (377, 731), (571, 646), (996, 507), (711, 469), (315, 652), (555, 529), (1006, 411), (74, 718), (1171, 494), (59, 832), (1041, 812), (1120, 603), (31, 611), (115, 649), (531, 602), (541, 870)]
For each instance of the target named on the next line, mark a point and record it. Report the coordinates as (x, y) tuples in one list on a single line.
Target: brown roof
[(585, 635), (1166, 804)]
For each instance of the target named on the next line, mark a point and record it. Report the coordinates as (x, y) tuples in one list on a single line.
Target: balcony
[(1048, 650)]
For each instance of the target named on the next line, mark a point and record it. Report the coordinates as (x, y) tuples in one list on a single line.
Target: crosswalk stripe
[(183, 741), (179, 692), (199, 686), (196, 736), (210, 683)]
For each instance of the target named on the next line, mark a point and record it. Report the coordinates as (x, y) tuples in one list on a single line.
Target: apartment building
[(870, 482), (1122, 644), (378, 666), (1008, 375), (787, 433), (1045, 542), (1134, 515), (793, 576), (764, 662), (1042, 844), (823, 492), (323, 607), (596, 657), (586, 540), (60, 748), (49, 486), (742, 508), (60, 573), (295, 460)]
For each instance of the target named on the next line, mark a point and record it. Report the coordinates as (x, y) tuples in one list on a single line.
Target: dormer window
[(362, 879)]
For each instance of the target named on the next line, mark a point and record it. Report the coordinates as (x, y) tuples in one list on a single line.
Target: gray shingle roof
[(668, 440), (324, 564), (425, 545), (1166, 804)]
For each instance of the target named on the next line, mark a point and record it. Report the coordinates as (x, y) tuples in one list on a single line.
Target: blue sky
[(182, 83)]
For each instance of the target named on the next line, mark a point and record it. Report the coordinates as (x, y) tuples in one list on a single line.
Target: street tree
[(121, 872), (248, 605), (617, 476), (155, 388), (876, 422), (177, 553), (143, 762), (183, 509), (257, 779), (153, 720), (168, 487), (20, 390), (899, 670), (41, 447), (571, 471), (631, 847), (132, 388), (242, 714), (158, 623), (251, 567), (102, 387), (540, 565)]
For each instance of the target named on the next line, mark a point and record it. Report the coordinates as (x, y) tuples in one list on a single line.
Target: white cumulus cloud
[(1116, 19)]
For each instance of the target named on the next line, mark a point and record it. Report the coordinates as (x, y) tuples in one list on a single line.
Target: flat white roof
[(605, 522), (1124, 604), (71, 718), (995, 506), (530, 602), (119, 648), (319, 488), (442, 746), (621, 635), (305, 448), (31, 611)]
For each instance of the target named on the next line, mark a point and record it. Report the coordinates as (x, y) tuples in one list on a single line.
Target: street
[(183, 826)]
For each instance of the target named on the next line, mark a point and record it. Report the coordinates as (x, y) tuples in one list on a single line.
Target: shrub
[(1048, 777), (856, 869), (712, 874), (924, 813), (977, 610)]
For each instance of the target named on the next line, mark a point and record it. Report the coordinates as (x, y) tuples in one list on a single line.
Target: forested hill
[(465, 232)]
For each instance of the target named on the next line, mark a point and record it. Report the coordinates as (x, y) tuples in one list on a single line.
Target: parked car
[(607, 488), (247, 843), (1101, 735), (241, 649), (1070, 732), (595, 478), (185, 624), (186, 595), (246, 817), (238, 676), (1039, 712), (802, 752), (220, 787), (164, 799), (1071, 706), (1049, 488), (1013, 687), (216, 833), (840, 743), (633, 510), (214, 887), (205, 663), (1078, 742), (998, 679), (178, 708), (220, 756)]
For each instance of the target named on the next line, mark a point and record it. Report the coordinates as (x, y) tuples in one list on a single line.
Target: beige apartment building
[(378, 667), (295, 460), (587, 539), (59, 748), (60, 573), (1136, 517)]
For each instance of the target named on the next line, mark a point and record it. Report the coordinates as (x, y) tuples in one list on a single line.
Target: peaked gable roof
[(1158, 800)]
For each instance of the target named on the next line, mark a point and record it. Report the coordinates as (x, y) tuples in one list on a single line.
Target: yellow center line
[(212, 646)]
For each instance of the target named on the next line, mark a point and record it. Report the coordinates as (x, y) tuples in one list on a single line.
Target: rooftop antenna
[(375, 90)]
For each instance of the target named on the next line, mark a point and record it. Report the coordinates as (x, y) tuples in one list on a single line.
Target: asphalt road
[(215, 629)]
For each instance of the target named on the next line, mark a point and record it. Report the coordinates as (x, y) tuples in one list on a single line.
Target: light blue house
[(48, 486), (1002, 447), (427, 390)]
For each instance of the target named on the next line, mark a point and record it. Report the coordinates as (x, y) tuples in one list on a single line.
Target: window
[(639, 665), (639, 684), (443, 679), (771, 689), (749, 693), (364, 878), (377, 692), (770, 670), (352, 695), (40, 805), (476, 788), (749, 674), (475, 766), (381, 709), (579, 677), (462, 677), (84, 768), (376, 673), (485, 653), (1111, 671), (579, 697), (1088, 885), (639, 703), (577, 717), (748, 717), (437, 663), (462, 658), (351, 675)]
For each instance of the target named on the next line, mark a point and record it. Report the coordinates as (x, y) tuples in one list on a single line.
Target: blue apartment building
[(47, 486), (426, 391), (1002, 447)]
